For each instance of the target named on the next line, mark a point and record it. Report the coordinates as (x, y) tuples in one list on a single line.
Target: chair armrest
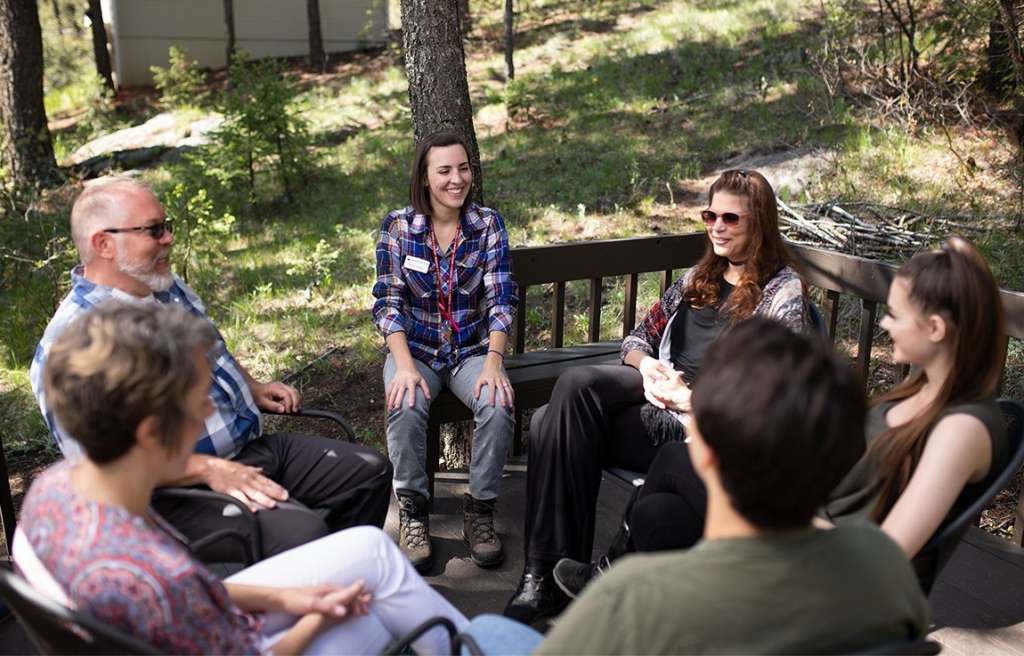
[(401, 644), (320, 413), (464, 640), (252, 547)]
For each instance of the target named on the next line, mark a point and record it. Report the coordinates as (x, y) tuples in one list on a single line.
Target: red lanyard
[(444, 305)]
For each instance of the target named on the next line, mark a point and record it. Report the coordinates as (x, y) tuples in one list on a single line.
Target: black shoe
[(536, 598), (572, 576)]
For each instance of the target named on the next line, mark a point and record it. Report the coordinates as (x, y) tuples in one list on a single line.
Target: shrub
[(180, 84), (263, 131), (200, 227)]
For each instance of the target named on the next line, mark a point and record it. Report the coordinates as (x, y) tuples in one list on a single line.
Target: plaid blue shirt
[(236, 419), (483, 300)]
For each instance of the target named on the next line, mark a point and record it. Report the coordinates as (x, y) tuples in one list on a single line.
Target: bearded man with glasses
[(301, 487)]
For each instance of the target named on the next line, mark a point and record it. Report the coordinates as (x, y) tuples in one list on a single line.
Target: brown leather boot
[(414, 530), (478, 530)]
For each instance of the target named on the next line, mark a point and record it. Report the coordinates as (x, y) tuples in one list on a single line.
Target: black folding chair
[(934, 555), (458, 641), (251, 545), (921, 647), (55, 629)]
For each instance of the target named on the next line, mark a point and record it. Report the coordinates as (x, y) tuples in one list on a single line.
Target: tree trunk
[(998, 76), (229, 24), (1011, 27), (436, 67), (510, 33), (317, 58), (99, 43), (27, 147), (465, 17)]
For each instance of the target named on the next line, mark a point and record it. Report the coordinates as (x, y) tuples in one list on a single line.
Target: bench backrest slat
[(868, 310), (558, 316), (594, 315), (629, 307)]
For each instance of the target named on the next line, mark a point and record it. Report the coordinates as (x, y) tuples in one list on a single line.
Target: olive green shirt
[(808, 591), (857, 495)]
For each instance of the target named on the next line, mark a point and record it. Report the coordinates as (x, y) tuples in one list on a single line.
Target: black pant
[(669, 513), (331, 485), (592, 422)]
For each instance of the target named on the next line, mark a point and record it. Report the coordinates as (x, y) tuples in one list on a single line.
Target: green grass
[(616, 105)]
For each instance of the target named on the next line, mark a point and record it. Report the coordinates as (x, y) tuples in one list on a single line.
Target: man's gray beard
[(157, 282)]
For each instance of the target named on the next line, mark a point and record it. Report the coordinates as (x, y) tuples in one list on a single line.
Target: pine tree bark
[(99, 43), (229, 25), (317, 57), (510, 42), (1012, 28), (28, 150), (435, 65)]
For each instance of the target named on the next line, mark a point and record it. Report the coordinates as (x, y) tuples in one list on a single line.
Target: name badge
[(416, 264)]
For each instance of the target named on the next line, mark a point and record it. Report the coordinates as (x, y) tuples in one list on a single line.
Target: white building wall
[(143, 30)]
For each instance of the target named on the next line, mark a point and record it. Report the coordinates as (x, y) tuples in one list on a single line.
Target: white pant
[(401, 598)]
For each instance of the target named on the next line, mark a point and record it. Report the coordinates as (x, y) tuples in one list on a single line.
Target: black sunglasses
[(156, 231), (728, 218)]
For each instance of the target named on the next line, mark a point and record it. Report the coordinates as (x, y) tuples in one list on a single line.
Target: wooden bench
[(533, 373)]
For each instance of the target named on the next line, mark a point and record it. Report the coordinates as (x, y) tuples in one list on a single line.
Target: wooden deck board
[(978, 601)]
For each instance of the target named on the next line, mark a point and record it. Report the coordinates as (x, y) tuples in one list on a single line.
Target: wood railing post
[(558, 316), (666, 280), (867, 332), (594, 332), (833, 314), (520, 343), (7, 516), (629, 309)]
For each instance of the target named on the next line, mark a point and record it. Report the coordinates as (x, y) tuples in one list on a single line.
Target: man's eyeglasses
[(728, 218), (156, 231)]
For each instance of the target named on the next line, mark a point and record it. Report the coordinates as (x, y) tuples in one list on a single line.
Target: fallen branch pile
[(872, 230)]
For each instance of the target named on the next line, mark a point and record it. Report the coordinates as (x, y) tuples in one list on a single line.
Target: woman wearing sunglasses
[(603, 416)]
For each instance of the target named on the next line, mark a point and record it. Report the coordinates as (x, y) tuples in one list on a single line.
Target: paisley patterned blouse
[(126, 572)]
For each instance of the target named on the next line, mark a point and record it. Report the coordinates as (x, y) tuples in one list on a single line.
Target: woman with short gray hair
[(131, 383)]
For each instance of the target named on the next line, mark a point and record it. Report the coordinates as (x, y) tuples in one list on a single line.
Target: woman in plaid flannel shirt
[(602, 416), (445, 302)]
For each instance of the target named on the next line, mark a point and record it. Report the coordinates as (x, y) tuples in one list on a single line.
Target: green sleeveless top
[(855, 497)]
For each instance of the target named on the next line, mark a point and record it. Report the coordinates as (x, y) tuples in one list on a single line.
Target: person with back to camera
[(931, 443), (445, 303), (132, 383), (777, 421), (597, 415)]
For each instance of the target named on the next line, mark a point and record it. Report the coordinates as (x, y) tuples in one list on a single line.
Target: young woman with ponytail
[(939, 436)]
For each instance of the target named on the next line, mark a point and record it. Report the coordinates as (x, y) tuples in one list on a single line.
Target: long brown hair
[(767, 251), (956, 283)]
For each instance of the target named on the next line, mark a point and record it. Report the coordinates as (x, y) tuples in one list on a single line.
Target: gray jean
[(407, 429)]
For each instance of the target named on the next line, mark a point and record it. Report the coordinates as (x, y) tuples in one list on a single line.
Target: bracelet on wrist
[(500, 354)]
